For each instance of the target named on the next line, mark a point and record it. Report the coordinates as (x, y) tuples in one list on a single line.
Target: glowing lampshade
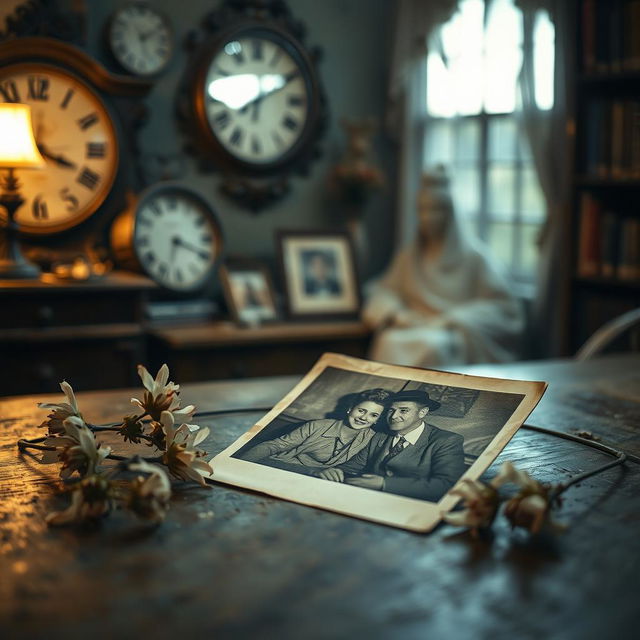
[(18, 147)]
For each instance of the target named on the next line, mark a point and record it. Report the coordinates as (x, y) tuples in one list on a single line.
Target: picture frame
[(248, 291), (319, 274)]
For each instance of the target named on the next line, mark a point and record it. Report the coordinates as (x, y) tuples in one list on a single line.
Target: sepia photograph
[(248, 292), (401, 437), (319, 273)]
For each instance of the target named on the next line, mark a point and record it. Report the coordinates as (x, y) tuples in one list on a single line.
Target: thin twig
[(24, 443), (563, 486), (589, 443)]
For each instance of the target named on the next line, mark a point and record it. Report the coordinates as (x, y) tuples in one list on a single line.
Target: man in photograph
[(319, 278), (412, 458)]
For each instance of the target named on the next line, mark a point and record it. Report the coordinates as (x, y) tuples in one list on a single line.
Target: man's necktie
[(395, 449)]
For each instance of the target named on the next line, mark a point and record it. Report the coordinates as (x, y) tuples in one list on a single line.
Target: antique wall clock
[(140, 38), (253, 105), (172, 234), (78, 129)]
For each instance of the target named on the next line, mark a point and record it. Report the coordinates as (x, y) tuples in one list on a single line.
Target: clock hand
[(59, 159), (179, 242), (292, 75), (144, 35)]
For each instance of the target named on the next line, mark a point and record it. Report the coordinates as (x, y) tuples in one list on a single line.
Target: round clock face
[(177, 239), (257, 92), (76, 137), (140, 39)]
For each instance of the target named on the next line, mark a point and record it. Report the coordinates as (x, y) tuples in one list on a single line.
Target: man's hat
[(418, 396)]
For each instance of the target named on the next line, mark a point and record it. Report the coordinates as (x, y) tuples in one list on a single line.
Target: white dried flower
[(149, 496), (61, 410), (77, 449), (91, 499), (481, 503), (160, 395), (181, 456), (530, 507)]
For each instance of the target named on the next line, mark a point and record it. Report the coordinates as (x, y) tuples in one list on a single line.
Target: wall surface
[(354, 37)]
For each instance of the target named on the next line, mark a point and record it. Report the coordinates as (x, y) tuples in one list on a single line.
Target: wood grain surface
[(234, 564)]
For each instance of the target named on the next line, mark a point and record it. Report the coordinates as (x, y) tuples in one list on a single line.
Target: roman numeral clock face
[(257, 98), (77, 139), (177, 239)]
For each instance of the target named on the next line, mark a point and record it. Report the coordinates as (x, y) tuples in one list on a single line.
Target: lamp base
[(12, 270), (13, 265)]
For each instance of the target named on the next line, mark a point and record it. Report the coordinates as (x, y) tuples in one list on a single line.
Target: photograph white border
[(386, 508)]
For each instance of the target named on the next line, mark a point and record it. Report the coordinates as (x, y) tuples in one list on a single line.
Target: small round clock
[(172, 234), (77, 137), (256, 99), (140, 38)]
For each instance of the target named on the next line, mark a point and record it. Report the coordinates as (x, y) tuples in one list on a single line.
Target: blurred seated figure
[(441, 301)]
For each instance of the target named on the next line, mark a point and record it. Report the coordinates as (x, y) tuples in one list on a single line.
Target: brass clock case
[(79, 111)]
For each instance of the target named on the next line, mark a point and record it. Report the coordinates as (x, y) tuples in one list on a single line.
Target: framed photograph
[(248, 291), (319, 274), (380, 442)]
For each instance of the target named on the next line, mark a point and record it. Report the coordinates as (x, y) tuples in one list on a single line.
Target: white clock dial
[(140, 39), (76, 137), (176, 240), (257, 98)]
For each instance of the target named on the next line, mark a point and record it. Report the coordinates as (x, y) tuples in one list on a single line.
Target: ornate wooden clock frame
[(252, 181)]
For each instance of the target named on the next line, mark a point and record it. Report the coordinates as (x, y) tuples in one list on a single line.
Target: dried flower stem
[(32, 443), (620, 457)]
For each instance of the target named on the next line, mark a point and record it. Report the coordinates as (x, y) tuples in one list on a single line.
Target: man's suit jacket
[(425, 470)]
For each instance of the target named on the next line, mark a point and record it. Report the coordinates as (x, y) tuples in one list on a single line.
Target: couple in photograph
[(405, 455)]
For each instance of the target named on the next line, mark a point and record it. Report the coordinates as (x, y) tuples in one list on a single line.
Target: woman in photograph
[(323, 443)]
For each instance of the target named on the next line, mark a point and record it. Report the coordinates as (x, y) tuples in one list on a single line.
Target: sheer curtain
[(547, 134), (414, 21), (545, 128)]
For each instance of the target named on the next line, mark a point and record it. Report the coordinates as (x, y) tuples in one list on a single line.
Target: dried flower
[(149, 497), (131, 429), (481, 501), (160, 395), (61, 411), (92, 498), (181, 456), (77, 449), (530, 507)]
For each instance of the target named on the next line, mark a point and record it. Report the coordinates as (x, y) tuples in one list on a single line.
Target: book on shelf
[(608, 242), (610, 35), (629, 256), (588, 256), (612, 144)]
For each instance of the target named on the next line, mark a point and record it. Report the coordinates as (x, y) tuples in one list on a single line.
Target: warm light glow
[(238, 91), (18, 147)]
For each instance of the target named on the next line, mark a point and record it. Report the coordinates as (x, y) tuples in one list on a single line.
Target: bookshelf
[(605, 215)]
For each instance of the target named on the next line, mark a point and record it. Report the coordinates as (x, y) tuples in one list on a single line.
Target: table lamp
[(18, 150)]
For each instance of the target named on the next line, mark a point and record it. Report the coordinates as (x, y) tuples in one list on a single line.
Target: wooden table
[(233, 564)]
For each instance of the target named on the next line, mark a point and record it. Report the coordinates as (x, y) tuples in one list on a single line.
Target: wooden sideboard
[(90, 333), (223, 350)]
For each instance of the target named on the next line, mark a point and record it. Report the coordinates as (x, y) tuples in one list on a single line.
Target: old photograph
[(401, 437), (319, 274), (248, 292)]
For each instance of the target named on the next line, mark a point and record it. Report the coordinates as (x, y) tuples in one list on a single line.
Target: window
[(471, 125)]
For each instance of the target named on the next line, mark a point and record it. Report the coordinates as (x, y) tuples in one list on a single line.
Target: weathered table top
[(233, 564)]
